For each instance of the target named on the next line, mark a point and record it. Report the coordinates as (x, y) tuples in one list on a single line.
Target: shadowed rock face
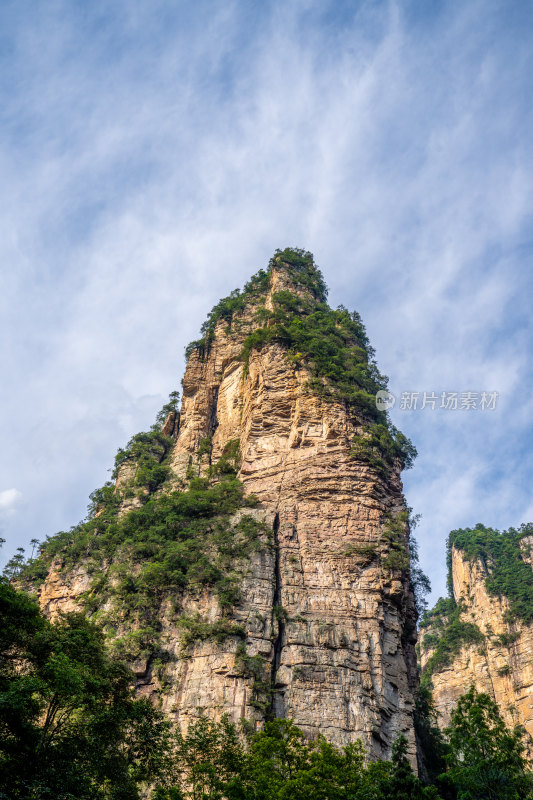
[(333, 629), (500, 665)]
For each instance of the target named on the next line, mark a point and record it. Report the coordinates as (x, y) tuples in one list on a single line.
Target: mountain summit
[(250, 556)]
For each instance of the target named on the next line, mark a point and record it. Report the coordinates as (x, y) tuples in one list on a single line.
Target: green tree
[(486, 759), (209, 762), (329, 774), (70, 728), (214, 762), (15, 565), (276, 756), (430, 739), (404, 784)]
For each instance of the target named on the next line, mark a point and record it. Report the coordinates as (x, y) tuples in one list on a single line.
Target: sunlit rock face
[(501, 664), (333, 628)]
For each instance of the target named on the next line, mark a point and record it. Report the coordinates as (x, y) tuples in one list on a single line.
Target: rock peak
[(252, 558), (300, 270)]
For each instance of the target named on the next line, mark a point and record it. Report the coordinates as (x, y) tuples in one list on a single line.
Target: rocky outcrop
[(499, 663), (326, 631)]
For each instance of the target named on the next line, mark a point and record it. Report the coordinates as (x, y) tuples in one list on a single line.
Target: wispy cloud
[(153, 157), (9, 500)]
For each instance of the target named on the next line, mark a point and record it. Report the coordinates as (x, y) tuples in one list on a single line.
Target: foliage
[(300, 266), (366, 551), (205, 447), (148, 451), (170, 407), (226, 309), (438, 615), (403, 552), (508, 575), (332, 343), (209, 762), (228, 463), (176, 541), (255, 667), (194, 628), (449, 634), (404, 785), (334, 346), (485, 759), (507, 639), (302, 269), (16, 564), (104, 500), (278, 763), (394, 535), (432, 745), (419, 580), (70, 727), (380, 445)]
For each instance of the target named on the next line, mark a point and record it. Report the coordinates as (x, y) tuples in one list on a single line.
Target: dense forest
[(72, 729)]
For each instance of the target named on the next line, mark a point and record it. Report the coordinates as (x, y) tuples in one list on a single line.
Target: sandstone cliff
[(483, 635), (293, 597)]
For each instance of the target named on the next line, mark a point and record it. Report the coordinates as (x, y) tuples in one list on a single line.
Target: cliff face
[(323, 627), (493, 647)]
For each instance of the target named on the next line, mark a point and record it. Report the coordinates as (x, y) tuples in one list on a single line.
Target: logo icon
[(384, 400)]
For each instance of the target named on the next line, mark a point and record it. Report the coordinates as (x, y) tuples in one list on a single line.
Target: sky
[(154, 155)]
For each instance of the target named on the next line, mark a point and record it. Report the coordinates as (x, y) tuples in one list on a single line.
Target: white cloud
[(9, 499), (153, 162)]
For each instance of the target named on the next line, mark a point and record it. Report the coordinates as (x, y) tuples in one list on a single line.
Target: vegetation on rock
[(449, 632), (148, 452), (194, 628), (401, 553), (187, 538), (507, 574), (380, 445), (226, 309), (176, 541), (332, 344), (70, 728), (501, 555)]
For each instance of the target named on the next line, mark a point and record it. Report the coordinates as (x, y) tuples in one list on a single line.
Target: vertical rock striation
[(482, 636), (324, 625)]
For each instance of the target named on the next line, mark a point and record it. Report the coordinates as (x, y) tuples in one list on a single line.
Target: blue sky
[(153, 156)]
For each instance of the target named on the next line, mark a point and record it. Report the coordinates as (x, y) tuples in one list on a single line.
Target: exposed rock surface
[(336, 629), (501, 665)]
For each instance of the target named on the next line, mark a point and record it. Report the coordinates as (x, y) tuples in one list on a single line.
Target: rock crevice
[(278, 626)]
